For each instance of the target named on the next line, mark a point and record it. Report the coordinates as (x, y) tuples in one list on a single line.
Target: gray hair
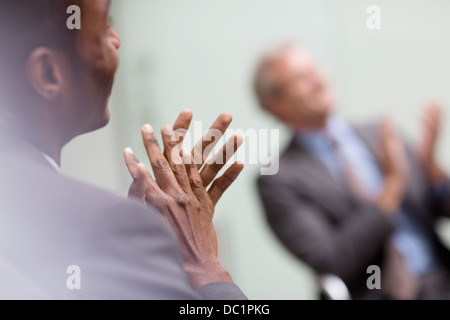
[(264, 84)]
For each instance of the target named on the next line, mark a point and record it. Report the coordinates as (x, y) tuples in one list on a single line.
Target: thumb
[(138, 188)]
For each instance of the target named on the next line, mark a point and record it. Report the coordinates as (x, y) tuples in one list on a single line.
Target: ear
[(277, 107), (43, 69), (273, 105)]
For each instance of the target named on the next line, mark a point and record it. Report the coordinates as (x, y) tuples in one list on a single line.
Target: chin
[(105, 120), (99, 122), (328, 106)]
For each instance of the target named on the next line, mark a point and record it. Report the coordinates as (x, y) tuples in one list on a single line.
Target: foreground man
[(346, 198), (55, 85)]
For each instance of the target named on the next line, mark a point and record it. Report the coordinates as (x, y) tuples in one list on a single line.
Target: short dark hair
[(28, 24)]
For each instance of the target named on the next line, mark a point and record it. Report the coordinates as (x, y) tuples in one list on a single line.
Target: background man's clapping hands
[(428, 144)]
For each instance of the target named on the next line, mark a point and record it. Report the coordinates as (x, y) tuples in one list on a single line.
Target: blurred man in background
[(61, 239), (345, 197)]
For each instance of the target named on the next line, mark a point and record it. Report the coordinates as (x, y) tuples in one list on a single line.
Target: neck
[(43, 137), (312, 125), (50, 148)]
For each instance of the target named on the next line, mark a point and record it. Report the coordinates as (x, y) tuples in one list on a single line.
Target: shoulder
[(124, 249), (290, 163)]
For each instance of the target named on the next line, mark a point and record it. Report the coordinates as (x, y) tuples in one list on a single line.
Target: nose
[(115, 39)]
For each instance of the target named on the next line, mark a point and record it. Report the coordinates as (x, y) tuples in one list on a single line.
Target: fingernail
[(227, 116), (139, 167), (167, 130), (147, 129), (129, 151)]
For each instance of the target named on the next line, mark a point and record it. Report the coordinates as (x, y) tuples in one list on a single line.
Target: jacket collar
[(12, 143)]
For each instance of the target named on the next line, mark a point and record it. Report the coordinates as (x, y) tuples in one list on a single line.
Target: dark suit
[(331, 229), (49, 222)]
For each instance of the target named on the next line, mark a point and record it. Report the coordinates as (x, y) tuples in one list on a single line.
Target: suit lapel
[(334, 196), (369, 135)]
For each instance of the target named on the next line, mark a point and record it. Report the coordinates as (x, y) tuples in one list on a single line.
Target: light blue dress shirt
[(409, 237)]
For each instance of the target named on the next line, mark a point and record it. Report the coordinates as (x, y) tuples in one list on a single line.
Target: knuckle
[(224, 183), (216, 166), (151, 141), (181, 198), (165, 200), (199, 207), (178, 169), (191, 165), (228, 179), (161, 164), (221, 187), (197, 182), (172, 144)]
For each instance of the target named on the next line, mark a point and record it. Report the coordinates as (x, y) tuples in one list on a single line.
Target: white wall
[(200, 55)]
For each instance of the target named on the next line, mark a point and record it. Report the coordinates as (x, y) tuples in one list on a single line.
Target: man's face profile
[(303, 91), (97, 48)]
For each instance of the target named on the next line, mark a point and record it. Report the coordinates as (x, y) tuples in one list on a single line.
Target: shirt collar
[(52, 162), (335, 124)]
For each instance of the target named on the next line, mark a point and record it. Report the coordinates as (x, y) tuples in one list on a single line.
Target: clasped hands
[(179, 190)]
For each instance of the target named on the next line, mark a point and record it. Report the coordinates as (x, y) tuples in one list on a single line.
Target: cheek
[(97, 84), (300, 95), (112, 60), (102, 59)]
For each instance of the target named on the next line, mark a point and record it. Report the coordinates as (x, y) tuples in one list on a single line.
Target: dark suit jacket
[(326, 226), (49, 222)]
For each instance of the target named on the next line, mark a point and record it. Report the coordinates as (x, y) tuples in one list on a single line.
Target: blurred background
[(200, 55)]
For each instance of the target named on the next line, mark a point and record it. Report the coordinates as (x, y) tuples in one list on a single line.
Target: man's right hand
[(395, 170), (179, 192), (432, 127)]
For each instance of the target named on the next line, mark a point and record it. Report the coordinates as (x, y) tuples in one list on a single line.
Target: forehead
[(294, 59), (288, 62)]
